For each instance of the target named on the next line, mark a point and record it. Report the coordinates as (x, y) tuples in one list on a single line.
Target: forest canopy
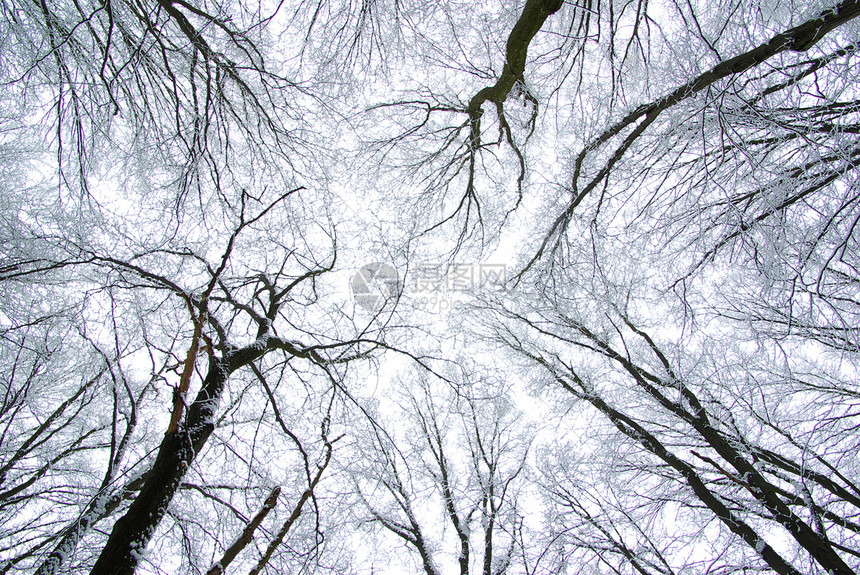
[(394, 286)]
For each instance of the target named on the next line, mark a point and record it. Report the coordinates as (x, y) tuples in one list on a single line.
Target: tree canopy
[(429, 287)]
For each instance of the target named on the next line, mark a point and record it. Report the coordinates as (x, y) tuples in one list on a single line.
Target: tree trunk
[(133, 531)]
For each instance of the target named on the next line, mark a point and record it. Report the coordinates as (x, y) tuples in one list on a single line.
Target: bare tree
[(746, 117), (261, 312), (184, 180), (749, 442), (173, 223), (694, 292), (458, 467)]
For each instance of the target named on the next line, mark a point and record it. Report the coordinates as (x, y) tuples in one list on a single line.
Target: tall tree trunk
[(133, 531)]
